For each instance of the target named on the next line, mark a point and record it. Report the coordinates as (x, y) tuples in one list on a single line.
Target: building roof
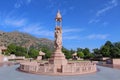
[(3, 47), (58, 16), (41, 53), (74, 54)]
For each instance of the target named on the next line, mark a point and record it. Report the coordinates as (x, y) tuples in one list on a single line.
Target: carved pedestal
[(58, 58)]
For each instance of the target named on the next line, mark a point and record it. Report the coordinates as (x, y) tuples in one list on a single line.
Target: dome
[(58, 16), (3, 48), (74, 54), (41, 53)]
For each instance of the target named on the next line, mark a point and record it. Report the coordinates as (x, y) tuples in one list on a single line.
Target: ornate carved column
[(58, 58)]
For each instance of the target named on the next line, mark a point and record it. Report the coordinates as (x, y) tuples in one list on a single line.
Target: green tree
[(17, 50), (79, 50), (115, 52), (11, 49), (108, 44), (72, 51), (105, 51), (47, 52), (33, 53), (80, 54), (117, 44), (86, 52), (89, 56), (67, 53), (97, 53)]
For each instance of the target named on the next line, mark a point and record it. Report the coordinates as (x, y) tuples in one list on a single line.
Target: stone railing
[(29, 67), (70, 68), (116, 61), (80, 67), (38, 68)]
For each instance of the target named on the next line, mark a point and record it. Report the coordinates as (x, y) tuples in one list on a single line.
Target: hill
[(24, 40)]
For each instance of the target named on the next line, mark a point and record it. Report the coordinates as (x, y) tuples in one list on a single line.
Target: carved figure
[(58, 38)]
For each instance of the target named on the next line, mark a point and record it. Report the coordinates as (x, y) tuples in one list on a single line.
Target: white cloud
[(17, 5), (22, 24), (70, 34), (28, 1), (105, 23), (11, 20), (71, 7), (66, 10), (70, 37), (36, 29), (94, 20), (108, 6), (97, 36), (89, 37), (20, 3), (72, 30), (31, 28), (15, 22)]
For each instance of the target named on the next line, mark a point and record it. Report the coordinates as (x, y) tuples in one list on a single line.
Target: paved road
[(10, 73)]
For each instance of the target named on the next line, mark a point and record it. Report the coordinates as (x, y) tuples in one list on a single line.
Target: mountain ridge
[(24, 40)]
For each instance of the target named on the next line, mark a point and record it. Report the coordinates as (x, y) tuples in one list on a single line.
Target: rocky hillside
[(24, 39)]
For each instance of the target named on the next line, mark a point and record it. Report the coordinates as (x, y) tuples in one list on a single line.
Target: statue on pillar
[(58, 57), (58, 38), (58, 32)]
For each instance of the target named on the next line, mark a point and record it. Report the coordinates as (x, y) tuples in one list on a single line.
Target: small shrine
[(74, 56), (41, 55), (2, 49), (2, 57)]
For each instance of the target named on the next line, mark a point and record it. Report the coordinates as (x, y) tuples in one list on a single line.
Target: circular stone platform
[(73, 68)]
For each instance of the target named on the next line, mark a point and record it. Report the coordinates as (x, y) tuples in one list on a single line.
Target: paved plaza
[(104, 73)]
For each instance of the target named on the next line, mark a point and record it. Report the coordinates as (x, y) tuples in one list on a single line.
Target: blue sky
[(86, 23)]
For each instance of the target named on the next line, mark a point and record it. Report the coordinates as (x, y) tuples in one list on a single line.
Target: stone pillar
[(58, 58)]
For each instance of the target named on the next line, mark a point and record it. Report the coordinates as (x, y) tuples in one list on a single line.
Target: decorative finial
[(58, 16)]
